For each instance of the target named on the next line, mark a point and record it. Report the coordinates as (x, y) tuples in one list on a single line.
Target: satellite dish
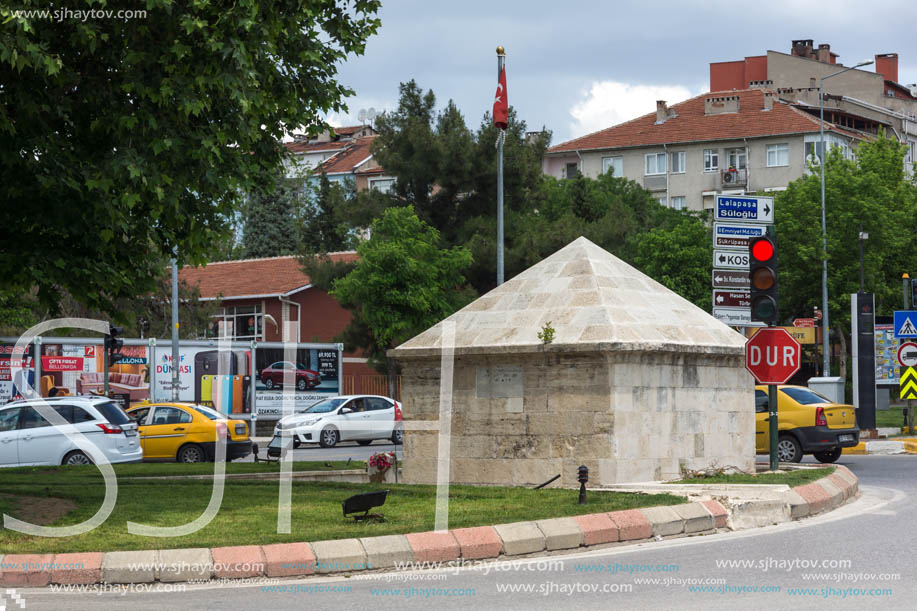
[(362, 115), (371, 114)]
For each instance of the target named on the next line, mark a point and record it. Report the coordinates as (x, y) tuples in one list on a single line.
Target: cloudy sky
[(578, 66)]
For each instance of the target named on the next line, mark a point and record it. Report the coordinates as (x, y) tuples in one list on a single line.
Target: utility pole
[(175, 355)]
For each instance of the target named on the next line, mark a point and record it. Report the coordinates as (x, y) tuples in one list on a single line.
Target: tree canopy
[(122, 140), (871, 193), (402, 283)]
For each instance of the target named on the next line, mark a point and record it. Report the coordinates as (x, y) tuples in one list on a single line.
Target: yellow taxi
[(187, 432), (807, 423)]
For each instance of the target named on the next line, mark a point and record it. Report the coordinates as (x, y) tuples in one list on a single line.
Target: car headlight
[(310, 422)]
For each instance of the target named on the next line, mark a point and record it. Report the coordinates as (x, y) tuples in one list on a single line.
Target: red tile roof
[(248, 277), (346, 131), (312, 147), (692, 125), (345, 161)]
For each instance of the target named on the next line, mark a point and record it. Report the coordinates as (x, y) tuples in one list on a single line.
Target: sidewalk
[(900, 445)]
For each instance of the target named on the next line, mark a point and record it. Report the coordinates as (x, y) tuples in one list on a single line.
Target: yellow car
[(807, 423), (187, 432)]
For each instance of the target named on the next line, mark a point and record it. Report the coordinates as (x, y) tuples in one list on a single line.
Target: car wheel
[(329, 437), (190, 453), (398, 437), (296, 443), (364, 442), (269, 383), (301, 384), (788, 449), (76, 459), (828, 455)]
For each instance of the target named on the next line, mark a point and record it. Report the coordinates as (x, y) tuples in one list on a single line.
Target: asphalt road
[(867, 545), (342, 451)]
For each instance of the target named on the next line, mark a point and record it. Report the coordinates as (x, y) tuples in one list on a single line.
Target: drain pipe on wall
[(298, 315)]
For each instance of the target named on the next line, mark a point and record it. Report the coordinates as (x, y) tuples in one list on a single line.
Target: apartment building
[(726, 142), (864, 100)]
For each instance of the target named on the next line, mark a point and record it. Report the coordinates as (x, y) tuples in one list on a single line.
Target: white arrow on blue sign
[(906, 323), (744, 208)]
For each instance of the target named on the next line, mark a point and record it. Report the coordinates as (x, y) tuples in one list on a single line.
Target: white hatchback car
[(360, 418), (26, 438)]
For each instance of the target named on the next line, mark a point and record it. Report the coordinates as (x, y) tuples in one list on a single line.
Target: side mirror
[(346, 410)]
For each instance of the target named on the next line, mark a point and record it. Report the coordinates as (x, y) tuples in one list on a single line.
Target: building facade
[(730, 142), (273, 300)]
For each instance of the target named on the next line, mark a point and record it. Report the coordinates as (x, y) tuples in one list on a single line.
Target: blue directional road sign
[(744, 208), (732, 235), (906, 323)]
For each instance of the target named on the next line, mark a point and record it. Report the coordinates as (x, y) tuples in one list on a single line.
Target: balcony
[(733, 178)]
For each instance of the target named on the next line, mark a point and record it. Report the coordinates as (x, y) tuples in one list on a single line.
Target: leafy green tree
[(872, 194), (403, 283), (679, 258), (322, 228), (123, 139), (271, 225)]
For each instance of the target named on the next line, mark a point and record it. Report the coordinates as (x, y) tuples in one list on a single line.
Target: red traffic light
[(762, 250)]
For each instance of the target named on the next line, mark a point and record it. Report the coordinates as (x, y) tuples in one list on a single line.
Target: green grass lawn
[(248, 514), (889, 417), (791, 478)]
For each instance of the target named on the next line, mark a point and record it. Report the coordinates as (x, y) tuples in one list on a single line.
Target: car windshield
[(323, 407), (804, 396), (209, 412)]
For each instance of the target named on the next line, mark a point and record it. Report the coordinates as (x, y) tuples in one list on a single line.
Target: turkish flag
[(501, 106)]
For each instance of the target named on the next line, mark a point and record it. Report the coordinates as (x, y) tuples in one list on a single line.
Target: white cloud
[(609, 103)]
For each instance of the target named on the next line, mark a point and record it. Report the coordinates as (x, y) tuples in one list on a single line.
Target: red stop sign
[(772, 356)]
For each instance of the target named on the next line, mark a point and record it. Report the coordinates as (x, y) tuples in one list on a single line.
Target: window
[(678, 202), (662, 201), (778, 155), (9, 418), (804, 396), (170, 415), (240, 323), (711, 160), (31, 419), (572, 170), (761, 401), (678, 162), (112, 412), (376, 404), (382, 185), (655, 163), (615, 165), (139, 415), (736, 158)]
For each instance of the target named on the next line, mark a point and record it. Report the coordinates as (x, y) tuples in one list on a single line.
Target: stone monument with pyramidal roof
[(637, 383)]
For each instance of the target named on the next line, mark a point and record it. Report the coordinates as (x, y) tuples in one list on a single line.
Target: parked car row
[(184, 432)]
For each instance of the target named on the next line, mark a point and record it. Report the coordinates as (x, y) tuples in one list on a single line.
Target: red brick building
[(272, 300)]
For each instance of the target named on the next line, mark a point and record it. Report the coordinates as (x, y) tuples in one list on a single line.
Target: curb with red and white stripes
[(480, 543)]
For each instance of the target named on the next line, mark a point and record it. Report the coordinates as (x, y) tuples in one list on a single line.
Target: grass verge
[(248, 514), (790, 478)]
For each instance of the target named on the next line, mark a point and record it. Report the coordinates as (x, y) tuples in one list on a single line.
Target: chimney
[(662, 112), (719, 105), (824, 53), (802, 48), (768, 100), (887, 66)]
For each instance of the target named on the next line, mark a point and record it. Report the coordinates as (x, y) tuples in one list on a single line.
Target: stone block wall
[(520, 419)]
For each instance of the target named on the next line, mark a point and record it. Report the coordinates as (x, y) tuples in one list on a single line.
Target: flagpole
[(500, 58)]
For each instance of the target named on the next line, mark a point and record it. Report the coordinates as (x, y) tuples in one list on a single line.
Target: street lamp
[(826, 366)]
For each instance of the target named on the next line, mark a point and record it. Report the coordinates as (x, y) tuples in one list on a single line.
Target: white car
[(26, 438), (360, 418)]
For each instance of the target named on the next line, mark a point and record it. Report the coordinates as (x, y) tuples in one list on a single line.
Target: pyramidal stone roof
[(593, 300)]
